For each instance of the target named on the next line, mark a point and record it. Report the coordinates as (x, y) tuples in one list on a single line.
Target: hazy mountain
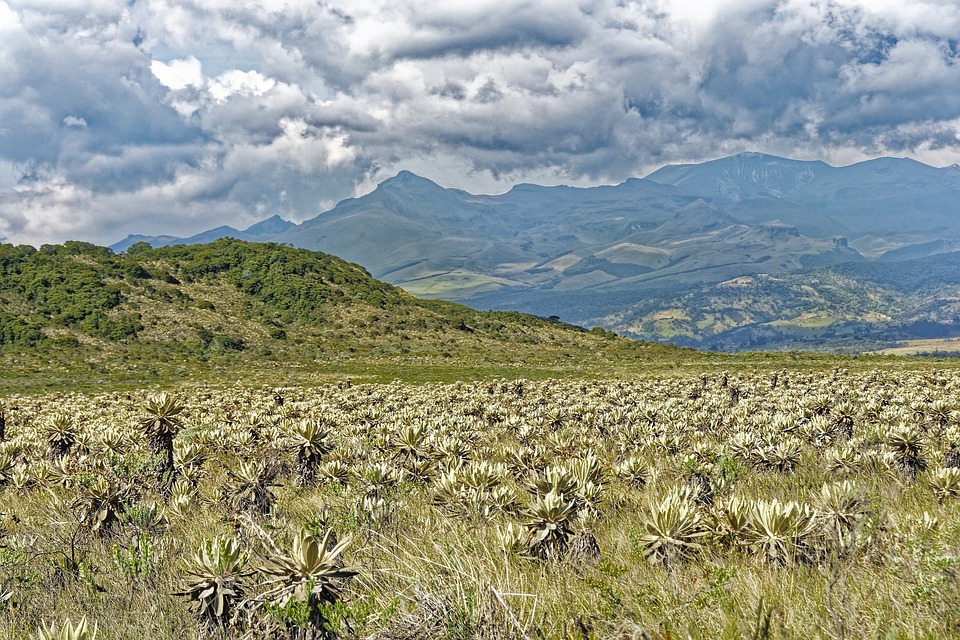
[(133, 238), (741, 176), (603, 255), (449, 243), (269, 227), (877, 197), (261, 231)]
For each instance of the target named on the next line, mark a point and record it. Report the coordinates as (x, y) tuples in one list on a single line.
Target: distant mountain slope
[(603, 255), (447, 243), (259, 232), (882, 196), (450, 243), (844, 307), (849, 307), (741, 176)]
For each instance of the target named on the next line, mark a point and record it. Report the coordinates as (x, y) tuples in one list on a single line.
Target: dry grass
[(429, 568)]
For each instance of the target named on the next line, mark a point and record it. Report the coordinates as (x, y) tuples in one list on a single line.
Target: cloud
[(73, 121), (178, 74), (113, 120)]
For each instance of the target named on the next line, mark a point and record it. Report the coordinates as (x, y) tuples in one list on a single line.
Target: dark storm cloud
[(463, 31), (113, 119)]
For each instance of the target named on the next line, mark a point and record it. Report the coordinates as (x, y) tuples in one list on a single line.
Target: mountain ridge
[(682, 226)]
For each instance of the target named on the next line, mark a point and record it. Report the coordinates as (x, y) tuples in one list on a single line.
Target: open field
[(927, 346), (774, 502), (185, 433)]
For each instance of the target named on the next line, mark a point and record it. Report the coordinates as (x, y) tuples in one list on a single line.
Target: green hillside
[(84, 313), (853, 307)]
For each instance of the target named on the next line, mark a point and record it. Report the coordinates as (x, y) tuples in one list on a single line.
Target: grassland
[(930, 346), (488, 475), (444, 491)]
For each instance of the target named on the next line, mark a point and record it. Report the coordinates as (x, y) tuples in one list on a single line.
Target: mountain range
[(745, 251)]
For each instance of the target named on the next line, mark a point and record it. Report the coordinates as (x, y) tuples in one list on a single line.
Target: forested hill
[(233, 299), (87, 290)]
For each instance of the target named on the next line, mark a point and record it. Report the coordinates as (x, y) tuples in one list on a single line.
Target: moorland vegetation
[(255, 441), (779, 506)]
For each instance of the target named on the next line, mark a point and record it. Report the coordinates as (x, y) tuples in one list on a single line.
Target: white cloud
[(212, 112), (178, 74), (9, 19), (74, 121), (236, 82)]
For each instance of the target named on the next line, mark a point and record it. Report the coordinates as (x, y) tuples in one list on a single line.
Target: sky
[(163, 117)]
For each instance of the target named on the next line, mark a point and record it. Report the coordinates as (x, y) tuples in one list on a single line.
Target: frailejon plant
[(672, 529), (777, 529), (21, 478), (905, 442), (730, 520), (633, 472), (7, 468), (840, 510), (249, 485), (100, 503), (311, 573), (335, 472), (214, 582), (379, 478), (843, 459), (113, 442), (482, 475), (61, 435), (410, 441), (67, 631), (555, 479), (586, 471), (310, 442), (549, 524), (945, 483), (181, 497), (951, 453), (448, 490), (161, 425), (784, 455), (188, 460)]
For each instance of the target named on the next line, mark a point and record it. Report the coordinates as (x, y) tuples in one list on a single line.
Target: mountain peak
[(407, 179), (271, 226), (133, 238), (758, 155), (743, 175)]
